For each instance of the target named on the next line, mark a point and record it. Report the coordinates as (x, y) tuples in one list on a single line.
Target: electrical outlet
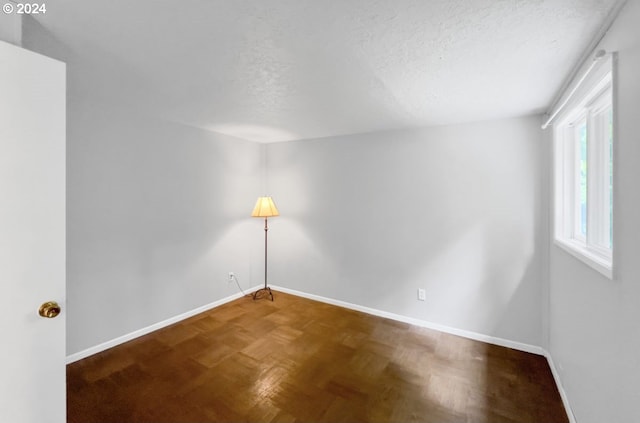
[(231, 276), (422, 294)]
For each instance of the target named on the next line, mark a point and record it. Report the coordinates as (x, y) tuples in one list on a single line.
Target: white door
[(32, 236)]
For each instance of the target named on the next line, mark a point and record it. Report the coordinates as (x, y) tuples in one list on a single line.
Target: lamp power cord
[(235, 278)]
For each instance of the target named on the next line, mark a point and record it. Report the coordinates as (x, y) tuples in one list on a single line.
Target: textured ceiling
[(276, 70)]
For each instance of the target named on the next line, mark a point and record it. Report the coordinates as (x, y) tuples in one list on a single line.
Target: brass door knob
[(50, 309)]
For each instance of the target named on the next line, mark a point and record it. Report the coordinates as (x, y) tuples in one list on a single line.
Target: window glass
[(610, 173), (582, 178)]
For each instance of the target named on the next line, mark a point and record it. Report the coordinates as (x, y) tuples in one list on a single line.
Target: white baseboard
[(422, 323), (563, 393), (140, 332)]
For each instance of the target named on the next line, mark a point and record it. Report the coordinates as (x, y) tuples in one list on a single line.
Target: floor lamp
[(264, 208)]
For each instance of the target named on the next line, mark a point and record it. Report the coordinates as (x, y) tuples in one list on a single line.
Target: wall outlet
[(422, 294), (231, 276)]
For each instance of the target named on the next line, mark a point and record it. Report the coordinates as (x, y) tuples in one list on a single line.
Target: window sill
[(587, 256)]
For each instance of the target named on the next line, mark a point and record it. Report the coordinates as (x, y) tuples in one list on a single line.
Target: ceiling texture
[(279, 70)]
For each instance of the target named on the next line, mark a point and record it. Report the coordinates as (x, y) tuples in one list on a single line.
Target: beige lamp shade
[(265, 207)]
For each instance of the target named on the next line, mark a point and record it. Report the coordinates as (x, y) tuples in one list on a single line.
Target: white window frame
[(591, 107)]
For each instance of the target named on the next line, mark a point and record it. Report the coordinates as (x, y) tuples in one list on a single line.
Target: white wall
[(595, 322), (157, 212), (11, 28), (457, 210)]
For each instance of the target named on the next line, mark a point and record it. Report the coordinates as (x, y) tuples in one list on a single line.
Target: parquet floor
[(297, 360)]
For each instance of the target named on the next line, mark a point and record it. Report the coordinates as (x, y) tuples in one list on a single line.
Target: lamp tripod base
[(263, 292)]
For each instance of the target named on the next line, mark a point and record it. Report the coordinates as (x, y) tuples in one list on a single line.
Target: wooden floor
[(297, 360)]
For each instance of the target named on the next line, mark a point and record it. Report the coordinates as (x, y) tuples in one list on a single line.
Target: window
[(583, 150)]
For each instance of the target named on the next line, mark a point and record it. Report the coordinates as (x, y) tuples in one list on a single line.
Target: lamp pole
[(266, 229), (266, 288), (265, 208)]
